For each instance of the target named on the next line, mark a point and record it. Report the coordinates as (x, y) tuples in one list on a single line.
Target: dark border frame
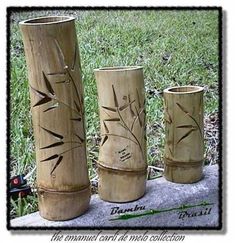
[(9, 10)]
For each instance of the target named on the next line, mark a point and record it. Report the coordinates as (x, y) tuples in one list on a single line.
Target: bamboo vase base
[(123, 187), (59, 206), (190, 174)]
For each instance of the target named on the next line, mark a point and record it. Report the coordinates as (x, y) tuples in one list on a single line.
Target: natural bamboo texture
[(122, 158), (184, 146), (56, 93)]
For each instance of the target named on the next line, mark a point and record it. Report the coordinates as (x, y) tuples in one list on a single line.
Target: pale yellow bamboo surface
[(56, 93), (122, 157), (184, 142)]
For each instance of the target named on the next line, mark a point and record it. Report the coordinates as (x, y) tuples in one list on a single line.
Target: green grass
[(110, 38)]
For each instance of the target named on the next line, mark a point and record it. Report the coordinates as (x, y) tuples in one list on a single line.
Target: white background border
[(229, 95)]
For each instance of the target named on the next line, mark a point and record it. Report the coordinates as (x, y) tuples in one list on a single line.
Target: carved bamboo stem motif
[(184, 145), (122, 158), (56, 95)]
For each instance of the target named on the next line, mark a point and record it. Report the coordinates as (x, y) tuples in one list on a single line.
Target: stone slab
[(170, 199)]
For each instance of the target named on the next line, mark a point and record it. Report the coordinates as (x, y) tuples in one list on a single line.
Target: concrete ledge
[(165, 204)]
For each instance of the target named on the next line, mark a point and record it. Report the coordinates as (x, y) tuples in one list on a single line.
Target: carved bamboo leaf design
[(53, 145), (138, 116), (112, 119), (131, 110), (67, 68), (119, 118), (50, 158), (63, 73), (115, 97), (126, 105), (76, 119), (123, 126), (48, 85), (80, 139), (59, 156), (44, 97), (62, 82), (107, 113), (104, 140), (109, 108), (187, 126), (119, 136), (50, 95), (186, 135), (188, 114), (57, 163), (182, 108), (56, 135), (52, 107), (42, 101), (105, 127), (139, 113), (39, 93)]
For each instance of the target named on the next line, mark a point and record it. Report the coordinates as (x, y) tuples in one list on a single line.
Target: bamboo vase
[(56, 94), (122, 162), (184, 146)]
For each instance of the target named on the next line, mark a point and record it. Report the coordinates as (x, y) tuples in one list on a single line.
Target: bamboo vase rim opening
[(187, 89), (47, 20), (118, 68)]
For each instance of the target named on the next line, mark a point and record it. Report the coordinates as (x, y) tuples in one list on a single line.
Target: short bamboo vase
[(56, 94), (184, 145), (122, 158)]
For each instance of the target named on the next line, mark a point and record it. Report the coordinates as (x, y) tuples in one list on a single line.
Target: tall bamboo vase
[(184, 146), (122, 158), (56, 94)]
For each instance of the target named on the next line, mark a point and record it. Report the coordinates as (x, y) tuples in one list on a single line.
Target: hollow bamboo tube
[(122, 157), (184, 145), (56, 93)]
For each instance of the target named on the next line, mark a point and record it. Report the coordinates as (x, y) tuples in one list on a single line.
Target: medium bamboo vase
[(122, 158), (56, 93), (184, 146)]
